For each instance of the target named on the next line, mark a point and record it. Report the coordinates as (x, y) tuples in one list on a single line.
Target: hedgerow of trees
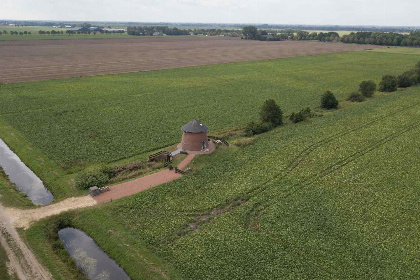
[(382, 38), (149, 30)]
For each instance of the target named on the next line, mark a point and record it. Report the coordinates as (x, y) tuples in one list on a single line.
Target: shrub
[(356, 97), (388, 83), (88, 179), (257, 128), (404, 81), (301, 115), (296, 117), (367, 88), (328, 100), (412, 76), (271, 113)]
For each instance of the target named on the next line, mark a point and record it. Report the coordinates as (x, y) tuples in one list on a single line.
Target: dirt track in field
[(52, 59)]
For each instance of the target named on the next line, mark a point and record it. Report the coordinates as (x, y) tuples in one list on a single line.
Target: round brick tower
[(194, 137)]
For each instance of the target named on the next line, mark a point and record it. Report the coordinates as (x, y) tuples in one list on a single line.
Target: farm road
[(22, 262), (52, 59)]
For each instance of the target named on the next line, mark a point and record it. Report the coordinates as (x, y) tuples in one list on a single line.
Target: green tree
[(367, 88), (388, 83), (328, 100), (404, 81), (250, 32), (271, 112)]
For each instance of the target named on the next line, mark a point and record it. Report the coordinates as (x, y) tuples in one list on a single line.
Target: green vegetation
[(388, 83), (323, 199), (383, 38), (328, 100), (77, 122), (34, 34), (399, 50), (367, 88), (356, 97), (87, 179), (271, 113), (302, 115)]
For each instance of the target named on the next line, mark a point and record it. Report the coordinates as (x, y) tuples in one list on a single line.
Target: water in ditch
[(94, 262), (25, 180)]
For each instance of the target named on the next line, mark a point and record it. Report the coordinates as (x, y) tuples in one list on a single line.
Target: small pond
[(25, 180), (94, 262)]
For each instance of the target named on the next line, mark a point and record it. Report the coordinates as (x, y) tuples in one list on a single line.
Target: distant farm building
[(194, 137)]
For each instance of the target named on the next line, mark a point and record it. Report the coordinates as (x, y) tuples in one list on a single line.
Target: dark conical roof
[(194, 126)]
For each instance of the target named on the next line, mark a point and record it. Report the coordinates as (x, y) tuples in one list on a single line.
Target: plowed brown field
[(41, 60)]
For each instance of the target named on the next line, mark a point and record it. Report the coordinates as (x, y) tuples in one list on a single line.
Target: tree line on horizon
[(362, 37)]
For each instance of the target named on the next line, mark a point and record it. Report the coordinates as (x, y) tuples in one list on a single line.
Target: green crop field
[(82, 121), (36, 36), (334, 197), (401, 50)]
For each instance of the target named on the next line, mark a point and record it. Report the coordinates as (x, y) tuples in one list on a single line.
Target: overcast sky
[(341, 12)]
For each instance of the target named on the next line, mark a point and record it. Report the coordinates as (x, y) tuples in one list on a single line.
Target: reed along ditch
[(24, 178), (89, 257)]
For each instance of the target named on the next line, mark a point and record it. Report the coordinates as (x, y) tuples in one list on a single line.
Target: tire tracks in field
[(252, 216), (254, 192)]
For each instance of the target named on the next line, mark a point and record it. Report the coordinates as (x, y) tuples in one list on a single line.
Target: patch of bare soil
[(24, 218), (52, 59), (22, 261)]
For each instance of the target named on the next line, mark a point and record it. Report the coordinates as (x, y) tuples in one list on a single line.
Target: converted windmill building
[(194, 137)]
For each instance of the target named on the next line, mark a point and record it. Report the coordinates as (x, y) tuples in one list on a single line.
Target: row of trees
[(272, 116), (381, 38), (53, 32), (150, 30), (377, 38), (15, 32), (252, 33)]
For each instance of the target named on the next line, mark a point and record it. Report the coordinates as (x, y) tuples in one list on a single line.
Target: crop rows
[(346, 209), (78, 122)]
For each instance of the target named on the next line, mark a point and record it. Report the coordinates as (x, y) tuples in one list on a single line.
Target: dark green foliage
[(92, 178), (296, 117), (383, 38), (356, 97), (257, 128), (250, 33), (271, 112), (301, 115), (328, 100), (388, 83), (412, 76), (404, 81), (367, 88)]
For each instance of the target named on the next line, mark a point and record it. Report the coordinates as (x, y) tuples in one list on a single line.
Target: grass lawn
[(334, 197)]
